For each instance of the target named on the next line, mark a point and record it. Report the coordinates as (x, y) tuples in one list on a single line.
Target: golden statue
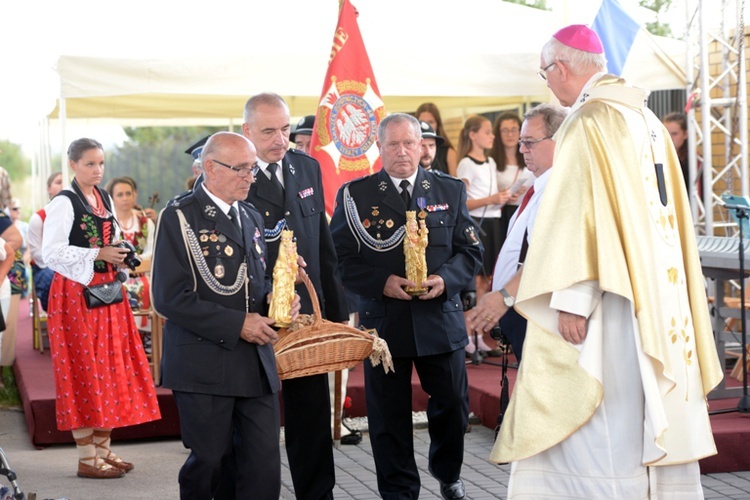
[(415, 243), (284, 277)]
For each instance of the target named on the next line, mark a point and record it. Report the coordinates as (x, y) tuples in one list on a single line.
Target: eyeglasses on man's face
[(529, 143), (543, 72), (242, 172)]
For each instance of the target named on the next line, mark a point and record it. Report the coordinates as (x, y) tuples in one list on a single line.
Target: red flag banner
[(350, 109)]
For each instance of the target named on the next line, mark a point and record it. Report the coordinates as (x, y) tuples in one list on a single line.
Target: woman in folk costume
[(138, 229), (102, 377)]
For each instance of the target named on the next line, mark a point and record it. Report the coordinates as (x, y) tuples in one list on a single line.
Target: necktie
[(405, 192), (277, 187), (525, 200), (235, 218)]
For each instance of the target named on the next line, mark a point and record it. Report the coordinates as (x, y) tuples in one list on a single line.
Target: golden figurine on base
[(415, 243), (284, 277)]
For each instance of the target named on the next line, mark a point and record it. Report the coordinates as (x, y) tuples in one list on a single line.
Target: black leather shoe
[(354, 438), (453, 491), (450, 491)]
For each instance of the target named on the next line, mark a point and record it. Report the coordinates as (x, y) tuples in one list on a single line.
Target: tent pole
[(63, 145)]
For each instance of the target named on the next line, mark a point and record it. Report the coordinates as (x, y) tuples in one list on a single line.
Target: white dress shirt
[(507, 261)]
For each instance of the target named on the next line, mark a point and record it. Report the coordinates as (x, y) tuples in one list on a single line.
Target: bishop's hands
[(572, 327), (394, 287)]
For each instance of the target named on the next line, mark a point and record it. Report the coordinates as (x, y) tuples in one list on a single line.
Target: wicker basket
[(313, 345)]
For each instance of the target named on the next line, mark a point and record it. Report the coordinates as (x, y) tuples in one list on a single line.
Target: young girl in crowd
[(511, 167), (485, 200)]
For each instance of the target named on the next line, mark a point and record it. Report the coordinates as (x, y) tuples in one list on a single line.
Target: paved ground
[(51, 472)]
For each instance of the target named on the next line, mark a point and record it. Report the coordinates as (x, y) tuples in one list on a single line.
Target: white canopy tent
[(480, 55), (418, 52)]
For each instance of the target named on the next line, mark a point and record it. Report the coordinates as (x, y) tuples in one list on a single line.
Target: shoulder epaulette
[(181, 199), (444, 175)]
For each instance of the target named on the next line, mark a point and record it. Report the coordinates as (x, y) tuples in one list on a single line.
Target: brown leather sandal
[(100, 469), (111, 458)]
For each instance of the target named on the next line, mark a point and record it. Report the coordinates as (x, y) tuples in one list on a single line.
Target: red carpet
[(35, 382), (731, 430)]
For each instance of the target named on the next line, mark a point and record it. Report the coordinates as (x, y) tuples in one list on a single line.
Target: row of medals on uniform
[(218, 240)]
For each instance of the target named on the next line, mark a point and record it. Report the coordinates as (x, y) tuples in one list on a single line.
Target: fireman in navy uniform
[(209, 281), (427, 332), (288, 192)]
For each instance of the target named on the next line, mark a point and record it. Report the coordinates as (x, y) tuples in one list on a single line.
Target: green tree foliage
[(13, 160), (658, 7), (536, 4), (155, 157), (146, 136)]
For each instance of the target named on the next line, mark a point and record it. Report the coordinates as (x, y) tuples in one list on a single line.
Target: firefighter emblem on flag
[(344, 137), (347, 125)]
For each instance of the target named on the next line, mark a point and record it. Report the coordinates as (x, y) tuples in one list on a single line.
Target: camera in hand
[(131, 258)]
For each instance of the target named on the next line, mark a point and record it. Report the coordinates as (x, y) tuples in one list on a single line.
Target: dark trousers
[(307, 433), (389, 412), (513, 326), (207, 424)]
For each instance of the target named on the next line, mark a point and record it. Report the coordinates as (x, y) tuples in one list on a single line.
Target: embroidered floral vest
[(89, 230)]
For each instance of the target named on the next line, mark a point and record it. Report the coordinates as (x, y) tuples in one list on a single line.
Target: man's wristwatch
[(508, 299)]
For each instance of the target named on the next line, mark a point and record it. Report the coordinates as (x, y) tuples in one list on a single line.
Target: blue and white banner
[(617, 31)]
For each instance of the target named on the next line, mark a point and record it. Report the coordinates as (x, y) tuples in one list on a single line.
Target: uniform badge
[(210, 210), (425, 184), (213, 238), (471, 236), (421, 203), (366, 223), (229, 251), (256, 238), (268, 214), (383, 185), (222, 238), (291, 169), (375, 211), (203, 238), (219, 270), (389, 223), (305, 193)]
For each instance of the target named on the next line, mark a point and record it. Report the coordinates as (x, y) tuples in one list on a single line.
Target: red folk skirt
[(102, 376)]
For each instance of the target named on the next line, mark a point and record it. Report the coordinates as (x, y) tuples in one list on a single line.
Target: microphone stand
[(743, 405)]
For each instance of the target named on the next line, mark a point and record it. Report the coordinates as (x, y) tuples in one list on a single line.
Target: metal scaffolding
[(717, 92)]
